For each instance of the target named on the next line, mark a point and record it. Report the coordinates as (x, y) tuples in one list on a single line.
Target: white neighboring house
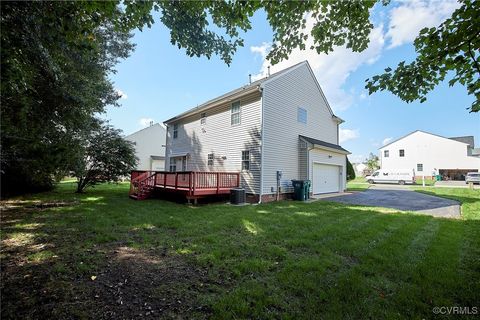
[(429, 154), (279, 124), (359, 169), (150, 147)]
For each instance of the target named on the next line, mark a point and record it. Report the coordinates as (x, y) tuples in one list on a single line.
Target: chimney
[(268, 73), (250, 78)]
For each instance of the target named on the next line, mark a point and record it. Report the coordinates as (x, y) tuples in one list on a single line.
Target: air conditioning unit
[(237, 196)]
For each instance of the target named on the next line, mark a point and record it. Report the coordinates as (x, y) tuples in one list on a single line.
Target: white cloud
[(122, 94), (347, 134), (262, 50), (331, 70), (407, 19), (145, 122), (386, 140)]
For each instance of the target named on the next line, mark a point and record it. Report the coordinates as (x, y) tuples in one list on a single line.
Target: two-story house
[(429, 154), (149, 145), (271, 131)]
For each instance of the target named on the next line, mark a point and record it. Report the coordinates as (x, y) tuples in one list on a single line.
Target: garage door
[(158, 165), (326, 178)]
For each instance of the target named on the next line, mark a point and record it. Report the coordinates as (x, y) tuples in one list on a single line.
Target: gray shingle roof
[(231, 93)]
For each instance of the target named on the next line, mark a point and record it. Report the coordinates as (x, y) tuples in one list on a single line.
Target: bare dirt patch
[(47, 275)]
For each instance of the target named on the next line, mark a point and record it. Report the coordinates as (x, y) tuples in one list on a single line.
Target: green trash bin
[(439, 177), (298, 190), (308, 185)]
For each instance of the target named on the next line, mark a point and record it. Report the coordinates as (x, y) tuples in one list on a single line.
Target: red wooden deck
[(191, 184)]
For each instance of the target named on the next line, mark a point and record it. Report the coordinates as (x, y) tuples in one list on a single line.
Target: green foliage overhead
[(103, 157), (452, 49)]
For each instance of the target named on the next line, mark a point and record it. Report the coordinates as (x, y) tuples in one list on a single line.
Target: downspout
[(261, 153)]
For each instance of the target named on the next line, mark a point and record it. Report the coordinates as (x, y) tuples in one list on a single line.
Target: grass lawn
[(357, 184), (102, 255)]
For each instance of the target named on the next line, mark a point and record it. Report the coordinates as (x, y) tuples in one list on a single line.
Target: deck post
[(192, 182), (218, 181), (164, 180), (176, 180), (238, 180)]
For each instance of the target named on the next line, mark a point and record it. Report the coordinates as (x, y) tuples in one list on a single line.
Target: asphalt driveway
[(401, 198)]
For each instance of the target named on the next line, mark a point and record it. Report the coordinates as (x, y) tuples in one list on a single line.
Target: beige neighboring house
[(271, 131), (429, 154), (150, 147)]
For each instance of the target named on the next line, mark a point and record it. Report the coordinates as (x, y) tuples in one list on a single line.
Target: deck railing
[(191, 182)]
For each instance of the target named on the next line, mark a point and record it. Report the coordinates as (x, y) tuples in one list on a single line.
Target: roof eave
[(343, 151)]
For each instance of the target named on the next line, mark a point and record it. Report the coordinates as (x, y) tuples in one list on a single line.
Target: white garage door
[(158, 165), (326, 178)]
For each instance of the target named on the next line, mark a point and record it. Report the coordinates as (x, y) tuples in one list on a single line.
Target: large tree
[(104, 156), (55, 62)]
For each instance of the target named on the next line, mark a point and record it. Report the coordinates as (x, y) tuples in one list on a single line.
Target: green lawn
[(102, 255), (357, 184)]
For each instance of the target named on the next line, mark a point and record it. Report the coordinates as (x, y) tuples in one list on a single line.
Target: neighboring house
[(360, 169), (272, 131), (429, 154), (150, 147)]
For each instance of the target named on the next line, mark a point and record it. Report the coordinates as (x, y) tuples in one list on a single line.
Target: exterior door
[(326, 178)]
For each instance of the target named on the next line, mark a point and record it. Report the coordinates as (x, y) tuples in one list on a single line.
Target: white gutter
[(261, 154)]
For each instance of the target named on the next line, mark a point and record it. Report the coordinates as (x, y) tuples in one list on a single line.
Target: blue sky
[(159, 81)]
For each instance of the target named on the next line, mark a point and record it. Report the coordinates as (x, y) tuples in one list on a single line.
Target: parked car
[(473, 177), (400, 176)]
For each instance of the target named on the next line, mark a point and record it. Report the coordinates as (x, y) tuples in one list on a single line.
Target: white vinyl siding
[(282, 97), (223, 140)]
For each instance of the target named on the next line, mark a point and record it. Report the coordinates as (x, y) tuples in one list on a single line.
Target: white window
[(401, 152), (175, 131), (203, 118), (210, 159), (386, 153), (235, 115), (173, 165), (246, 160), (301, 115), (420, 167)]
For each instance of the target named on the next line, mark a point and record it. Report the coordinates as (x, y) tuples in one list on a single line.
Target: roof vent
[(268, 72), (250, 78)]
